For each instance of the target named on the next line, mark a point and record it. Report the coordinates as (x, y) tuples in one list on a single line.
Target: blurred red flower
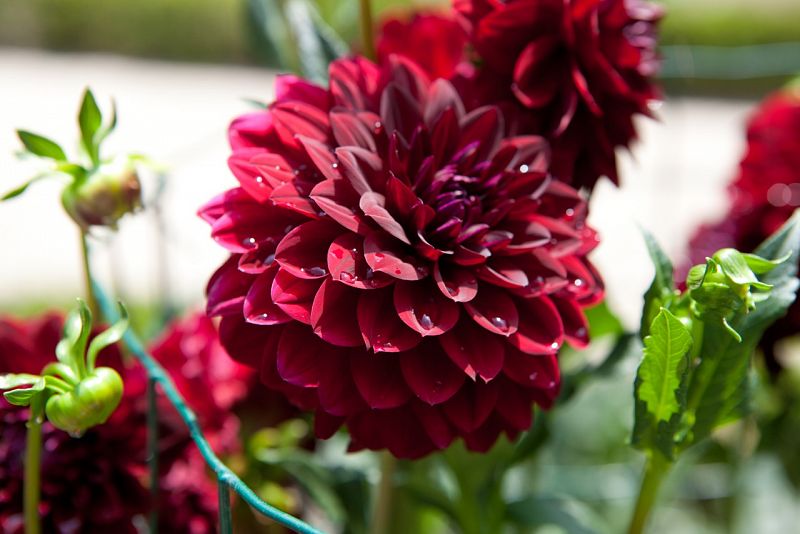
[(99, 482), (434, 41), (398, 264), (576, 71), (763, 196)]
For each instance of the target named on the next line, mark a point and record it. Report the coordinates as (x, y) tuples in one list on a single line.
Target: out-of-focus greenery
[(217, 30)]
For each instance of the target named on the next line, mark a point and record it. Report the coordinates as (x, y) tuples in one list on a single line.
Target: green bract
[(75, 394), (99, 192)]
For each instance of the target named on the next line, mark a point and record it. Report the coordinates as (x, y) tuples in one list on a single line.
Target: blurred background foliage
[(231, 31)]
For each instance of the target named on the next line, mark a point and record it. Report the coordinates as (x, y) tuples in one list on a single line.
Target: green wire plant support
[(227, 480)]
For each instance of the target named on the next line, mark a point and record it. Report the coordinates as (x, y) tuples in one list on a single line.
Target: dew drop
[(580, 332), (369, 274), (578, 282), (249, 241), (269, 259), (425, 321), (570, 212), (377, 125), (555, 345), (533, 376), (499, 323), (315, 271), (453, 290), (334, 165), (264, 316), (277, 167), (346, 277), (538, 281), (259, 179), (523, 168), (422, 271)]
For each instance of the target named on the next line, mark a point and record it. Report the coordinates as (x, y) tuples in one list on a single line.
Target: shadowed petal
[(455, 283), (387, 255), (424, 309), (474, 350), (303, 251), (430, 375), (379, 379), (227, 288), (383, 332), (473, 404), (494, 310), (258, 305), (295, 296), (540, 331), (333, 314), (347, 265)]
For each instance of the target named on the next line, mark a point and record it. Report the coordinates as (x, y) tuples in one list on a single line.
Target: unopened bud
[(103, 198)]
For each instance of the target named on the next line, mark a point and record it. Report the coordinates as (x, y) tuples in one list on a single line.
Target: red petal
[(373, 206), (576, 328), (300, 355), (387, 255), (363, 169), (474, 350), (258, 305), (226, 289), (293, 295), (349, 130), (432, 377), (515, 405), (249, 174), (333, 314), (339, 200), (337, 392), (541, 330), (435, 424), (424, 309), (379, 380), (532, 371), (381, 329), (470, 408), (455, 283), (303, 251), (494, 310), (297, 118), (326, 425), (322, 157), (346, 264)]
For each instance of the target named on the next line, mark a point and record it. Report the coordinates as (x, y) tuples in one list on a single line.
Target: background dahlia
[(576, 71), (398, 265), (99, 482), (763, 196)]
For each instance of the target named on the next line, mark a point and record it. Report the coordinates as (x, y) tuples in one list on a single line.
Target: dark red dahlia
[(434, 41), (576, 70), (97, 483), (398, 265), (764, 195)]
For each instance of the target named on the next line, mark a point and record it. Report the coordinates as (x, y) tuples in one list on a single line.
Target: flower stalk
[(367, 29), (654, 472), (382, 511), (91, 298), (33, 467)]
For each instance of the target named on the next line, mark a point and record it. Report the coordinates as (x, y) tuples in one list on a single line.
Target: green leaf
[(17, 191), (9, 381), (77, 327), (23, 397), (311, 53), (108, 337), (90, 120), (664, 362), (761, 265), (660, 385), (41, 146), (718, 392), (736, 268), (110, 127), (662, 289), (568, 514)]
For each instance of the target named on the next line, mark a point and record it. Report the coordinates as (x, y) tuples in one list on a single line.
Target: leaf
[(9, 381), (110, 127), (761, 265), (108, 337), (661, 377), (17, 191), (736, 269), (602, 321), (23, 397), (718, 391), (311, 54), (72, 347), (568, 514), (663, 286), (90, 120), (41, 146)]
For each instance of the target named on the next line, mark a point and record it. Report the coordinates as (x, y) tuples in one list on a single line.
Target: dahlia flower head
[(397, 265), (99, 482), (577, 71), (763, 196)]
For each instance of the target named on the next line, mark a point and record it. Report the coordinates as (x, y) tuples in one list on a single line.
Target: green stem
[(657, 466), (367, 36), (382, 511), (32, 483), (91, 299)]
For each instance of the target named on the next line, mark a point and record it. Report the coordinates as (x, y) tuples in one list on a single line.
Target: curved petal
[(424, 309), (455, 283), (379, 380), (303, 251), (541, 330), (576, 327), (295, 296), (300, 355), (346, 264), (430, 375), (227, 288), (474, 350), (333, 314), (382, 331), (258, 305), (494, 310), (339, 200), (337, 392), (386, 255), (473, 404)]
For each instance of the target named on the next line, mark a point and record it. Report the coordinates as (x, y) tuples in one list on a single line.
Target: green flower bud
[(91, 402), (103, 197)]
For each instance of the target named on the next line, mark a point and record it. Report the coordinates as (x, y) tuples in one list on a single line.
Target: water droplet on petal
[(555, 345), (499, 323), (346, 277), (453, 290), (533, 376), (249, 241), (259, 179), (264, 316), (580, 332), (315, 271), (425, 321), (578, 282), (569, 213), (523, 168), (334, 165)]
